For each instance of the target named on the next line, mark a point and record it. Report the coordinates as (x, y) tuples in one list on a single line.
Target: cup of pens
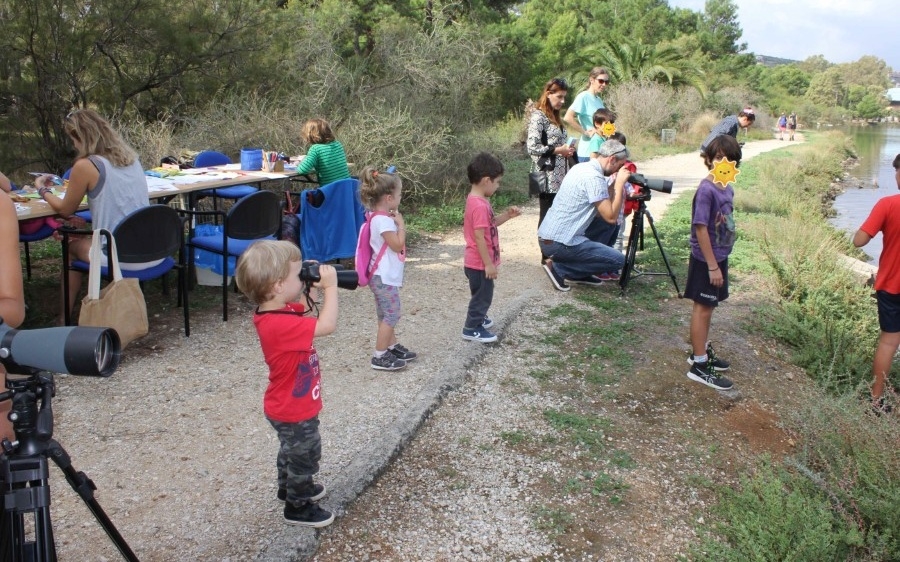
[(271, 162)]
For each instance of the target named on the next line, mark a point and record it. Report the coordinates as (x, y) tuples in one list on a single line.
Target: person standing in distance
[(730, 126), (885, 218), (782, 125), (580, 115)]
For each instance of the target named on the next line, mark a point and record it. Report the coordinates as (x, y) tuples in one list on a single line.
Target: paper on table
[(159, 184), (181, 180), (267, 175)]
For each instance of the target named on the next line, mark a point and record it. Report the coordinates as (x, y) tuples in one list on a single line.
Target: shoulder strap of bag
[(384, 245), (96, 257)]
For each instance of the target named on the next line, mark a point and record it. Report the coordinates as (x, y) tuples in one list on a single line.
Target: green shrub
[(773, 515), (852, 458)]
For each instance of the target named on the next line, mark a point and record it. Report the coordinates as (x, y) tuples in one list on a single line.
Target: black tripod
[(635, 239), (24, 476)]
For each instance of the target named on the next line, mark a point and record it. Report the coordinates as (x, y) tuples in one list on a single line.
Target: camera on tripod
[(346, 279), (654, 184)]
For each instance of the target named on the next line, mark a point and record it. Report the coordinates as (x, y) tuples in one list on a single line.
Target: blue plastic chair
[(330, 219), (151, 233), (213, 158), (255, 217), (46, 231)]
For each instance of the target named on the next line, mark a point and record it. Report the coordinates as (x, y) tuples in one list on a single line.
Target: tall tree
[(139, 56), (721, 30)]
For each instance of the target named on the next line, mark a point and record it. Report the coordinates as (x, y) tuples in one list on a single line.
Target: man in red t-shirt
[(885, 218), (269, 274)]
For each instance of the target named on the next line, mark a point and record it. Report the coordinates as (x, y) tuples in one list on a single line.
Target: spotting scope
[(74, 350)]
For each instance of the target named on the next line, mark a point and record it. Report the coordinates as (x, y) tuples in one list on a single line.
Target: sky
[(839, 30)]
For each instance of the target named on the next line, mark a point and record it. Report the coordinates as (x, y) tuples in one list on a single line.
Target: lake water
[(876, 146)]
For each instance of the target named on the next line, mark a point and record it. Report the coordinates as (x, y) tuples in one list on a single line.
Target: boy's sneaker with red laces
[(307, 515), (610, 276)]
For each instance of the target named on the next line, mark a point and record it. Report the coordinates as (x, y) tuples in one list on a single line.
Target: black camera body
[(346, 279), (663, 186)]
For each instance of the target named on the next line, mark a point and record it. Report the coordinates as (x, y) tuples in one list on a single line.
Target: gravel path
[(184, 460)]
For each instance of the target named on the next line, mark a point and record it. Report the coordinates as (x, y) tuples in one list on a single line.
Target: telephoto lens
[(663, 186)]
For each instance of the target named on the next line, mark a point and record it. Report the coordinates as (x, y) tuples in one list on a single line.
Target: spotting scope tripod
[(24, 476), (636, 242)]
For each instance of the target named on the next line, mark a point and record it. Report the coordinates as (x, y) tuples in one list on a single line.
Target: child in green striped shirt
[(325, 156)]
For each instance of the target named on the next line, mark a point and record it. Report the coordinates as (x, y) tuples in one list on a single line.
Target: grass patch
[(585, 430), (552, 520), (514, 438)]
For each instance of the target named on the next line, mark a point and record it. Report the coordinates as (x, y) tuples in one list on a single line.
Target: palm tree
[(640, 62)]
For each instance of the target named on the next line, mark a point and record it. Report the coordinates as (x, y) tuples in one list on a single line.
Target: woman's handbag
[(538, 182), (120, 305)]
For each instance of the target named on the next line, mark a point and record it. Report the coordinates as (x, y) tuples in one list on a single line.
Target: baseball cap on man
[(614, 148)]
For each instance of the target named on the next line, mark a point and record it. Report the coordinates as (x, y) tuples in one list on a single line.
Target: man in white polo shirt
[(584, 195)]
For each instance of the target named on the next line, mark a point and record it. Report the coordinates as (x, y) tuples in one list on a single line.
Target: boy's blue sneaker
[(479, 334), (488, 323)]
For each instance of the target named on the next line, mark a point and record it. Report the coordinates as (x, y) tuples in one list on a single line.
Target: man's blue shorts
[(888, 311)]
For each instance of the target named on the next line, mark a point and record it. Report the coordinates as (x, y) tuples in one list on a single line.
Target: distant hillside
[(772, 61)]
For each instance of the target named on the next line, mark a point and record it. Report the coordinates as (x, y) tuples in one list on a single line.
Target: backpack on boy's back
[(364, 250)]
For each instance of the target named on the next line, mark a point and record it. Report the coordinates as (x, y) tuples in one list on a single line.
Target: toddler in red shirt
[(268, 272)]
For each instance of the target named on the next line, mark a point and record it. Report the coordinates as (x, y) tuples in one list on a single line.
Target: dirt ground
[(184, 460), (465, 490)]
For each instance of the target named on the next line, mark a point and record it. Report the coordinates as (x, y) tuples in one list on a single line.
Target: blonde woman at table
[(108, 171), (12, 297), (324, 154)]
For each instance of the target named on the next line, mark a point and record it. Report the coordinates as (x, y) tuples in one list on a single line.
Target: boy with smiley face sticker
[(712, 239)]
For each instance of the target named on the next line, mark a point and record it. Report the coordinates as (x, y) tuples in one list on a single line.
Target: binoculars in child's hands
[(346, 279)]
